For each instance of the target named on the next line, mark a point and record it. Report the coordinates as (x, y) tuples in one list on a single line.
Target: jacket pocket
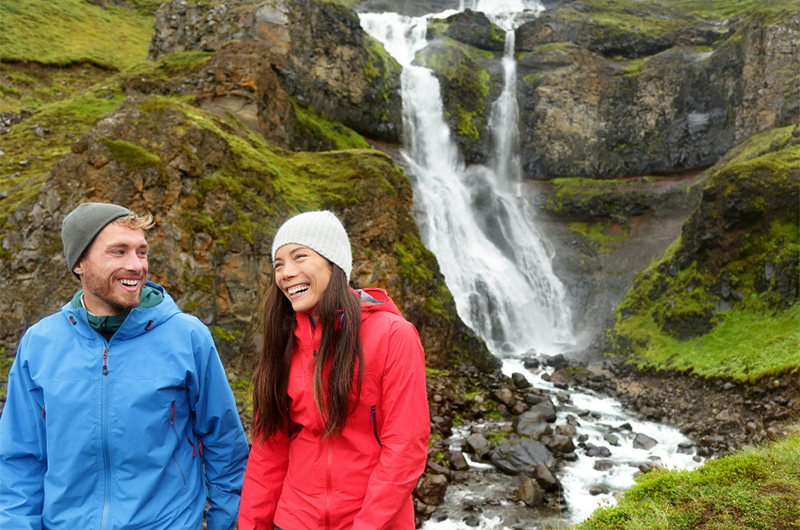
[(374, 421), (177, 438)]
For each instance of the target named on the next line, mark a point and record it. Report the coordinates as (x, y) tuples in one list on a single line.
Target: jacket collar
[(138, 322)]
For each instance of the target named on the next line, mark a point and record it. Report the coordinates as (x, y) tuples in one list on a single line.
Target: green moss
[(226, 335), (553, 47), (64, 120), (64, 32), (5, 367), (756, 488), (604, 235), (326, 132), (133, 156)]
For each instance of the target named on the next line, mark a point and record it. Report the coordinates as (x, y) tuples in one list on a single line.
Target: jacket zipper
[(178, 440), (375, 425), (106, 458)]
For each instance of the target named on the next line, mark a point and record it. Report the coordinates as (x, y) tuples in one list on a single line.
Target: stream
[(498, 266)]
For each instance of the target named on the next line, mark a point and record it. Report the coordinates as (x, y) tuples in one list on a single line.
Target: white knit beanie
[(321, 232)]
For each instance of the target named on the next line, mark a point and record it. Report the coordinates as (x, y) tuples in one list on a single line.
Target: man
[(119, 414)]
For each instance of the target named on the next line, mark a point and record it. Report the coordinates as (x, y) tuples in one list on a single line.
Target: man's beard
[(104, 290)]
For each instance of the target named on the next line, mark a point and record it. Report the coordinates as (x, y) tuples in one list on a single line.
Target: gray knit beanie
[(321, 232), (82, 225)]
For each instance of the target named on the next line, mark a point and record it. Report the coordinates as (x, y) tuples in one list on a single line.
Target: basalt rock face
[(600, 103), (317, 51), (218, 194)]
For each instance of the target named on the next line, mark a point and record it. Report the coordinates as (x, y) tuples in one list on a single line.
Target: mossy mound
[(722, 302), (66, 32), (756, 488)]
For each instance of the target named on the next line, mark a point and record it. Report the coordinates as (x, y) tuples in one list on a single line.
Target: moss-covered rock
[(467, 89), (219, 192), (723, 300)]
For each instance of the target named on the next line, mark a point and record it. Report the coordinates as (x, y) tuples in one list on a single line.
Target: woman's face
[(302, 275)]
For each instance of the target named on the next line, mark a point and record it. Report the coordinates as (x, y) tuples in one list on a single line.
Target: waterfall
[(494, 260), (498, 265)]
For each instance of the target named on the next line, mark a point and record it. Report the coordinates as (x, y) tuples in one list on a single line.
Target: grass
[(636, 16), (65, 121), (66, 32), (604, 235), (758, 488)]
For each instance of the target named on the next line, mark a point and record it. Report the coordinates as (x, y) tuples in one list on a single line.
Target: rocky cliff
[(602, 97)]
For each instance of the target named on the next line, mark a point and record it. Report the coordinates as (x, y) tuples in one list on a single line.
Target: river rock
[(597, 451), (431, 489), (566, 430), (545, 478), (532, 423), (505, 396), (531, 493), (557, 443), (557, 361), (478, 444), (612, 439), (458, 461), (521, 456), (546, 409), (642, 441), (520, 381), (603, 465)]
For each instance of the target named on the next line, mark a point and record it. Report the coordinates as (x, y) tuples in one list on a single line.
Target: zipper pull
[(372, 414), (105, 358)]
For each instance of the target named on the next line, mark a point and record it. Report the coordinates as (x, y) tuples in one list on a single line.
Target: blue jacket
[(117, 435)]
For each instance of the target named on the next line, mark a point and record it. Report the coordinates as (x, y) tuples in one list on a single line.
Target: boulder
[(521, 456), (642, 441), (431, 489), (531, 493), (531, 423)]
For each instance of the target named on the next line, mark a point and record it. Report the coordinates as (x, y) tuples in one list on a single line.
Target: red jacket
[(363, 478)]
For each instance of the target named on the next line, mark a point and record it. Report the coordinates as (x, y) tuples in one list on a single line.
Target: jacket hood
[(376, 300), (138, 322)]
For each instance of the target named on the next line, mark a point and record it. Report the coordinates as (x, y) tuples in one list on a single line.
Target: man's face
[(113, 270)]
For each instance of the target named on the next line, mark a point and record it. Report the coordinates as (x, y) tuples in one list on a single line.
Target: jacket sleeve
[(263, 482), (217, 424), (404, 434), (23, 451)]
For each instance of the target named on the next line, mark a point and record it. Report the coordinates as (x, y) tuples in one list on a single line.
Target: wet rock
[(505, 396), (472, 520), (642, 441), (598, 489), (557, 443), (521, 456), (457, 461), (557, 361), (546, 409), (603, 465), (625, 427), (423, 509), (595, 451), (532, 423), (566, 430), (569, 457), (431, 489), (533, 399), (612, 439), (531, 493), (520, 381), (686, 448), (545, 478), (478, 444)]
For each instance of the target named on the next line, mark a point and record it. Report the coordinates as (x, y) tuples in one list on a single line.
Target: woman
[(341, 426)]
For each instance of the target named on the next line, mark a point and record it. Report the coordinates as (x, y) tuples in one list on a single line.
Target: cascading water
[(492, 256), (494, 259)]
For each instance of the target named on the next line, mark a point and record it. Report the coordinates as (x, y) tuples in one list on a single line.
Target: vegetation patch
[(653, 18), (604, 235), (330, 135), (32, 147), (65, 32), (755, 488), (722, 302)]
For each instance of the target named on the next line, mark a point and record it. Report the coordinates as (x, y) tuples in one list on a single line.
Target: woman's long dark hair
[(340, 344)]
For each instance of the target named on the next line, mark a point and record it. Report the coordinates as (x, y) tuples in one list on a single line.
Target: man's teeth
[(130, 283), (297, 288)]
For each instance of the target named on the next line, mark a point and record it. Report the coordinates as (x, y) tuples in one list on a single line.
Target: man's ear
[(78, 268)]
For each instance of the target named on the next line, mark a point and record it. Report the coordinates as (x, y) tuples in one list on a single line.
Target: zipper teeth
[(106, 458)]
